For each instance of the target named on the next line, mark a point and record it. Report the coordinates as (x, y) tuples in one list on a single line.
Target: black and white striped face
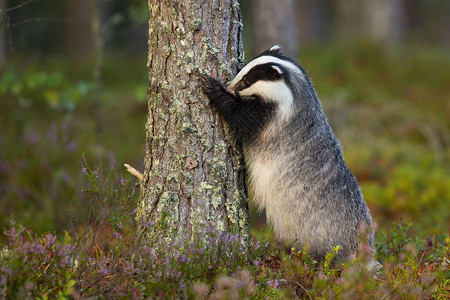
[(266, 77)]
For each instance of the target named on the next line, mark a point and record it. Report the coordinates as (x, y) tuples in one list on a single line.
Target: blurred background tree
[(381, 69)]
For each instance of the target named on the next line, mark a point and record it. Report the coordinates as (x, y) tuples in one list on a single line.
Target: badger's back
[(297, 170), (300, 178)]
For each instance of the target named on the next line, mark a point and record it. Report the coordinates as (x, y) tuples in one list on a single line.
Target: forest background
[(73, 86)]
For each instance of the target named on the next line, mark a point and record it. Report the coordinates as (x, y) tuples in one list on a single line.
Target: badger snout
[(230, 87), (236, 88)]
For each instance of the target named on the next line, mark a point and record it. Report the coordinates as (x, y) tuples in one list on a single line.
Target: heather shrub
[(34, 265), (104, 258)]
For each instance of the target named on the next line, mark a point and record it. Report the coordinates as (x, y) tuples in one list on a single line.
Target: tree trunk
[(3, 23), (384, 20), (78, 34), (274, 24), (98, 65), (379, 21), (194, 170), (349, 19), (313, 20)]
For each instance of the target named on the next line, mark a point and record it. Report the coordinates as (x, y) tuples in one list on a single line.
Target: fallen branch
[(134, 172)]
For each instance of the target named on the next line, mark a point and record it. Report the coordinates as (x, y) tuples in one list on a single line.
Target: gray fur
[(299, 175), (310, 184)]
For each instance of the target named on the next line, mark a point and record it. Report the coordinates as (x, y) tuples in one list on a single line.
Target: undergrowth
[(104, 258), (387, 106)]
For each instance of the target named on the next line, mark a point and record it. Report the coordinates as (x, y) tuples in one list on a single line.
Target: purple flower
[(72, 146), (104, 270), (52, 134), (256, 246), (3, 283), (273, 283), (37, 249), (122, 181), (49, 240), (6, 270), (130, 269), (66, 178), (64, 262)]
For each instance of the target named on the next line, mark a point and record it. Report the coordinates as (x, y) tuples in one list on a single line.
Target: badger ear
[(277, 69), (275, 49)]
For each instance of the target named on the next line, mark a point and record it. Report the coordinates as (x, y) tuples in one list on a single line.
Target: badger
[(297, 171)]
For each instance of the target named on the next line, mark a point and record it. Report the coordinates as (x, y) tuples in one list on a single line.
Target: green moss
[(188, 128), (187, 178), (165, 85), (168, 50), (219, 170), (158, 188), (221, 147), (205, 143), (223, 66), (165, 27), (195, 25), (175, 106), (173, 177), (214, 51), (188, 57), (181, 31), (204, 186), (216, 201), (166, 199)]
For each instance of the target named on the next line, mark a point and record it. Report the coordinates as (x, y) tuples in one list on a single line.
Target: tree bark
[(193, 169)]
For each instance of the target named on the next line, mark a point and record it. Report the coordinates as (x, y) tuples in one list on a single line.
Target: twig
[(134, 172), (299, 284), (51, 19), (17, 6)]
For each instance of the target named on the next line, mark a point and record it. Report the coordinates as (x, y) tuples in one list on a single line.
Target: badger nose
[(229, 87), (241, 85)]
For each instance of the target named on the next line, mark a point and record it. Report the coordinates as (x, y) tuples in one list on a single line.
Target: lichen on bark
[(194, 170)]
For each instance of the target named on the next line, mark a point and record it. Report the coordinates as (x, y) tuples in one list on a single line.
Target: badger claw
[(212, 87)]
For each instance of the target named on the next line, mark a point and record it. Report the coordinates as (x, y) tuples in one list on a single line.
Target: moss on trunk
[(194, 170)]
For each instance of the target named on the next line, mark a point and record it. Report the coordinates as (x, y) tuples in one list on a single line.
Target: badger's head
[(271, 77)]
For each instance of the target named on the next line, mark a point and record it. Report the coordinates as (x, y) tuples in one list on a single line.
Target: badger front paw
[(212, 87), (216, 93)]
